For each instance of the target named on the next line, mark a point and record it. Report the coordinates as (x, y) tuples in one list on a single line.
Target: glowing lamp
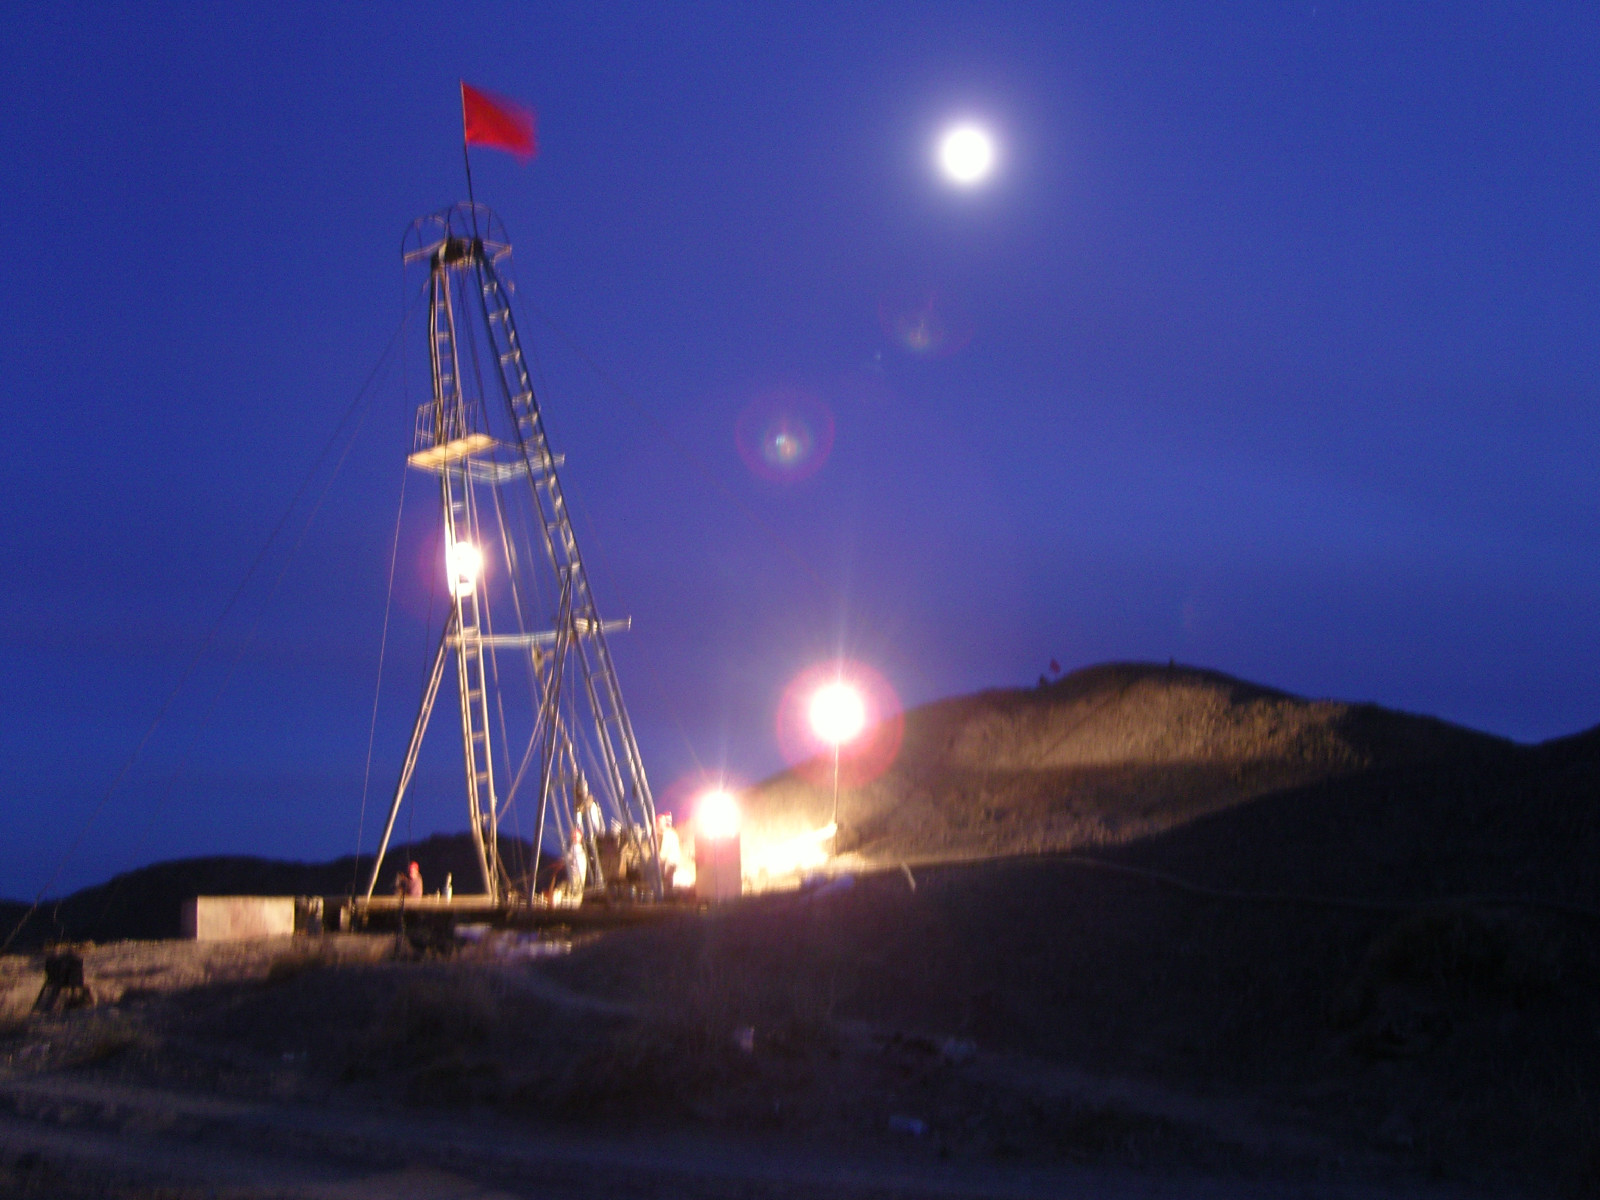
[(967, 154), (464, 563), (716, 816), (838, 713)]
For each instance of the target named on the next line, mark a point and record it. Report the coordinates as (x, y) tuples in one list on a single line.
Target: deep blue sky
[(1280, 357)]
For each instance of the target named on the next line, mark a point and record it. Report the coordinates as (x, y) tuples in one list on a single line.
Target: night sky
[(1270, 346)]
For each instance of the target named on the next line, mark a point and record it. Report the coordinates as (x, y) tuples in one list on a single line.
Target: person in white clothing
[(573, 872), (588, 810), (577, 864)]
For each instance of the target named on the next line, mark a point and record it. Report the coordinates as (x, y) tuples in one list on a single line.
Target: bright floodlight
[(716, 815), (967, 154), (464, 562), (838, 713)]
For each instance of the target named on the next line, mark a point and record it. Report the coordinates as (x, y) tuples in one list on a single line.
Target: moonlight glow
[(966, 153)]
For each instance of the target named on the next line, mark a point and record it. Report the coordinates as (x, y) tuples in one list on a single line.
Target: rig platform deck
[(594, 914)]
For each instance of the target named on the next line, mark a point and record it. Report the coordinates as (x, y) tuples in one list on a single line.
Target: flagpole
[(466, 158)]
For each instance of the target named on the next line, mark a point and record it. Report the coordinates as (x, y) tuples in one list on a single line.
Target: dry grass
[(443, 1034), (102, 1048), (101, 1043), (1461, 952), (21, 976), (16, 1004), (312, 956)]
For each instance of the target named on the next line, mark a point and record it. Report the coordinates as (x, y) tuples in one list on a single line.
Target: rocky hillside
[(1102, 756)]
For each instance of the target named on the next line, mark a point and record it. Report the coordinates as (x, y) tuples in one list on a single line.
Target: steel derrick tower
[(510, 555)]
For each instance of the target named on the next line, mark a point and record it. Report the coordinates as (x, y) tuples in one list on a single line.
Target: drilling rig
[(546, 737)]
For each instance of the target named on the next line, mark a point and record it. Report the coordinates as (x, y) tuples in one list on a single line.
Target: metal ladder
[(461, 525), (618, 746)]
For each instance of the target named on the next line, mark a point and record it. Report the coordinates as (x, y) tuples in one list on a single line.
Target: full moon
[(967, 154)]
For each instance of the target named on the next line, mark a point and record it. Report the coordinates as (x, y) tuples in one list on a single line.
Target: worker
[(577, 865), (588, 810), (413, 882), (671, 851), (572, 872)]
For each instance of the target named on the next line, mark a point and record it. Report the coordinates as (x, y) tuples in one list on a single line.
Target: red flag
[(489, 120)]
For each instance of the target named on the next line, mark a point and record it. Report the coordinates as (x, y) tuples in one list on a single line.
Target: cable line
[(205, 645), (377, 689)]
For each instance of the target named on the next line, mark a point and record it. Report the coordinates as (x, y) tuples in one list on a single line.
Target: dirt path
[(1230, 1123), (67, 1137)]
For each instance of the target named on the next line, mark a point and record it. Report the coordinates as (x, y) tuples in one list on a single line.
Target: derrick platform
[(594, 914)]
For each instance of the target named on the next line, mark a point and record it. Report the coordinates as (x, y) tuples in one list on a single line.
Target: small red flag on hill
[(490, 120)]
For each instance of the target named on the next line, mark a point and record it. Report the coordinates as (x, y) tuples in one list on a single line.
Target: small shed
[(237, 918)]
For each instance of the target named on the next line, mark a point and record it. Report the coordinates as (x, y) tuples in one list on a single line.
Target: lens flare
[(787, 442), (843, 704), (785, 436), (924, 323)]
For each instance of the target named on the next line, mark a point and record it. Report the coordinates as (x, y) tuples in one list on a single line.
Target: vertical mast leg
[(461, 527), (423, 713), (550, 718)]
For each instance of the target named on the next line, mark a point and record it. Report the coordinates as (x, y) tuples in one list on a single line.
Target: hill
[(1399, 952), (1102, 756), (147, 902), (1284, 937)]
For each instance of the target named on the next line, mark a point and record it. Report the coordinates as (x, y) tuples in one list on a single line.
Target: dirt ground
[(743, 1053)]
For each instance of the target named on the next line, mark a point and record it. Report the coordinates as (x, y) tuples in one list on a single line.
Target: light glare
[(838, 713), (716, 816), (464, 563)]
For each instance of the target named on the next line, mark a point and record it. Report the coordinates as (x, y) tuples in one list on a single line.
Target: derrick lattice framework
[(510, 549)]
